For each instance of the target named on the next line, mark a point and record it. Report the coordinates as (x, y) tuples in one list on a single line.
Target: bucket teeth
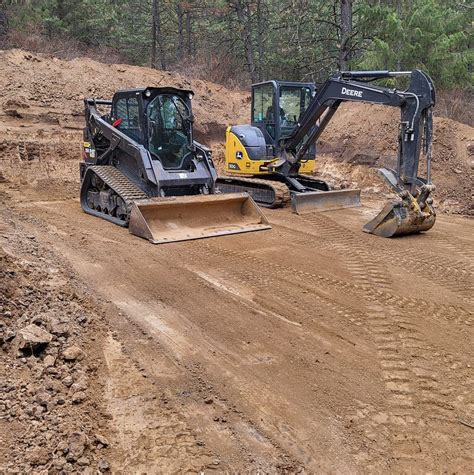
[(401, 218)]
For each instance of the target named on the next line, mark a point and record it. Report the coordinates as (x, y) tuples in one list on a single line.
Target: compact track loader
[(142, 169), (279, 147)]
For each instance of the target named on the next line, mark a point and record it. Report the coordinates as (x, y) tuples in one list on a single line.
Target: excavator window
[(263, 107), (169, 131), (293, 102)]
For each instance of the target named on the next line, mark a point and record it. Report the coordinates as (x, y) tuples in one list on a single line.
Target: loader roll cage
[(160, 119)]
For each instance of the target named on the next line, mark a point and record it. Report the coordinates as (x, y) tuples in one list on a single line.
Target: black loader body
[(140, 158)]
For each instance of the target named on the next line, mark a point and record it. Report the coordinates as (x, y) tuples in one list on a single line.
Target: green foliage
[(432, 35), (232, 40)]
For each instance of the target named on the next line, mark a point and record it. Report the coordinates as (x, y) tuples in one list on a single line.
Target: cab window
[(263, 110), (127, 109), (293, 102)]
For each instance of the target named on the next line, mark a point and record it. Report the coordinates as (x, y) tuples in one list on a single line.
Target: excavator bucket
[(398, 219), (180, 218), (314, 201)]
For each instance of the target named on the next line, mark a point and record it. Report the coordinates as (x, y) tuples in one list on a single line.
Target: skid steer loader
[(142, 169), (269, 158)]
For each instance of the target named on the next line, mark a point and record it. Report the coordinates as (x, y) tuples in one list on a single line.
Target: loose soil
[(311, 347)]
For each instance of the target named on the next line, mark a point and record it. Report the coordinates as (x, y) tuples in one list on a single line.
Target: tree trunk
[(345, 49), (157, 50), (3, 21), (261, 40), (189, 33), (245, 28), (180, 15)]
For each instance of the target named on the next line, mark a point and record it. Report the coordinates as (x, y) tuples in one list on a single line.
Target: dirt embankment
[(41, 109)]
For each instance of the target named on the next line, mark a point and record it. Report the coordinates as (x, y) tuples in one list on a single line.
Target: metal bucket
[(180, 218), (314, 201), (400, 218)]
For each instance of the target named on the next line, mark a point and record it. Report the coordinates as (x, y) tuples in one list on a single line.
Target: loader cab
[(160, 119), (276, 109)]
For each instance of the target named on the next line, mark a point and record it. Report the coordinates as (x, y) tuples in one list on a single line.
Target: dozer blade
[(398, 219), (181, 218), (312, 201)]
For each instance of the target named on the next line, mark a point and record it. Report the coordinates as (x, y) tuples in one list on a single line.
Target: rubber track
[(118, 182), (282, 193)]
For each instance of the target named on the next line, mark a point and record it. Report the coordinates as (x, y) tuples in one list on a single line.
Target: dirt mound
[(363, 137), (41, 109)]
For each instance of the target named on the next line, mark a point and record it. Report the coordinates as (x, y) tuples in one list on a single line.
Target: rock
[(73, 353), (78, 397), (100, 439), (103, 466), (58, 328), (209, 400), (38, 456), (83, 462), (49, 361), (76, 446), (43, 398), (67, 381), (32, 338)]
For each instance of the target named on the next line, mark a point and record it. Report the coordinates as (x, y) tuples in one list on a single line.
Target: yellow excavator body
[(238, 161)]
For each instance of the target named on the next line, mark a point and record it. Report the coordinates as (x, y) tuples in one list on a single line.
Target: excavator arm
[(413, 212)]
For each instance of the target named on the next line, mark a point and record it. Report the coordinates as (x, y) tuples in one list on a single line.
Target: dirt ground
[(311, 347)]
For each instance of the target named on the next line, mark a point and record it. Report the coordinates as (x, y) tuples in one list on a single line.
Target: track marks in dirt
[(371, 261), (420, 412), (413, 367)]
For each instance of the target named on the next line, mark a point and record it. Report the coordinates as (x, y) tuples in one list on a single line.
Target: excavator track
[(266, 193), (112, 197)]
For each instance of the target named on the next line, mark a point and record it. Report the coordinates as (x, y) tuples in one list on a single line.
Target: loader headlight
[(147, 93)]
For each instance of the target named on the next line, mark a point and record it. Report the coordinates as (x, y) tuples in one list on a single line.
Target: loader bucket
[(180, 218), (398, 219), (314, 201)]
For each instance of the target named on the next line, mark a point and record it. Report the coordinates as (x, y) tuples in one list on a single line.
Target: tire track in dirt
[(345, 243), (369, 262), (399, 342)]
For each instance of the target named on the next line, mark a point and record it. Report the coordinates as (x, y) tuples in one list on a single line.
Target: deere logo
[(351, 92)]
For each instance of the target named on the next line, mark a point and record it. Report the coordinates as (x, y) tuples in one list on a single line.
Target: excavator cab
[(276, 109)]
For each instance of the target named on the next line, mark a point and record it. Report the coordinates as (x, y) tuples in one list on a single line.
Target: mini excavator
[(143, 170), (277, 150)]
